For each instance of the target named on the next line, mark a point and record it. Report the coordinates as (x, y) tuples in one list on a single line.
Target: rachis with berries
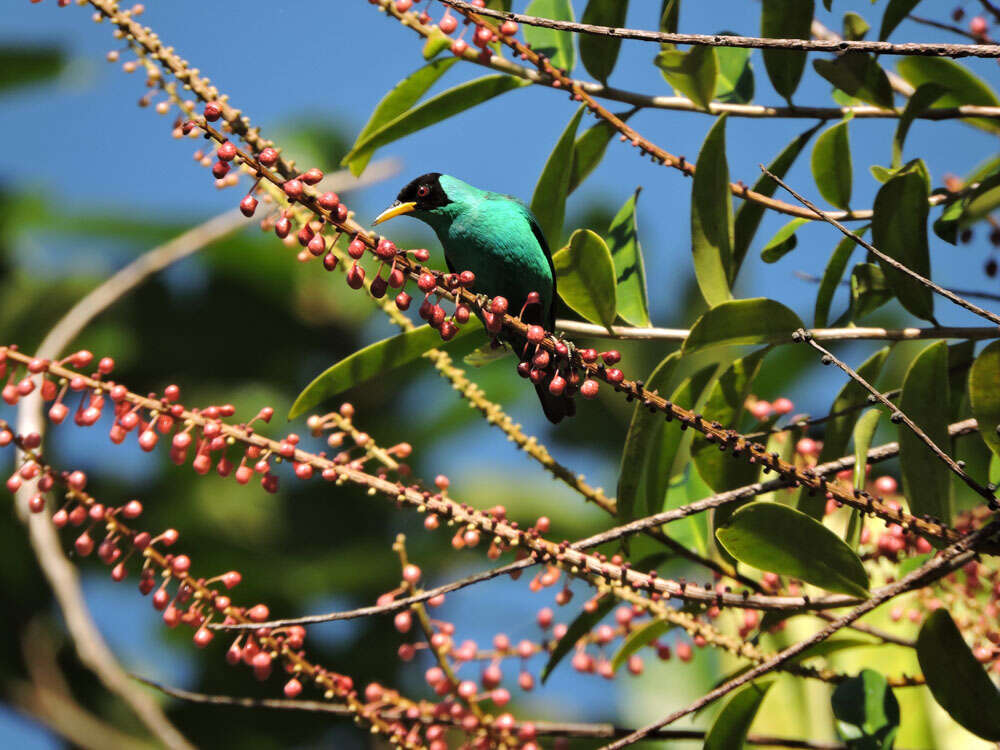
[(497, 238)]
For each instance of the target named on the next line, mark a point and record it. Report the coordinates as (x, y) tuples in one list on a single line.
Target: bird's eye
[(423, 191)]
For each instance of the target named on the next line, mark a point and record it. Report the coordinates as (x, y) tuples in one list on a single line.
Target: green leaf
[(638, 638), (403, 95), (984, 394), (839, 428), (24, 65), (742, 321), (585, 277), (831, 165), (858, 75), (961, 86), (669, 13), (869, 290), (832, 275), (590, 147), (556, 45), (976, 203), (600, 53), (750, 213), (725, 404), (867, 712), (630, 271), (548, 202), (583, 624), (895, 12), (712, 217), (640, 441), (783, 242), (729, 730), (864, 431), (692, 73), (437, 42), (899, 229), (375, 360), (735, 84), (780, 539), (920, 102), (957, 681), (785, 19), (926, 479), (441, 107), (855, 27)]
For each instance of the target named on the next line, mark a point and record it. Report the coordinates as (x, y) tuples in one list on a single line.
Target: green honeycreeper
[(497, 238)]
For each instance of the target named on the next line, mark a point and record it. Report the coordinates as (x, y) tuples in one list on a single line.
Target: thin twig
[(856, 333), (898, 415), (812, 278), (951, 558), (942, 26), (961, 302), (721, 40)]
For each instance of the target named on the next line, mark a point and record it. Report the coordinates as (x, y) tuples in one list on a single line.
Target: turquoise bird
[(497, 238)]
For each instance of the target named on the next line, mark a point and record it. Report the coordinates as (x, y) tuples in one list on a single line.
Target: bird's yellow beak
[(396, 209)]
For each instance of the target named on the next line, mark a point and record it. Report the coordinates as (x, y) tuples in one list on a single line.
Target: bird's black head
[(425, 192)]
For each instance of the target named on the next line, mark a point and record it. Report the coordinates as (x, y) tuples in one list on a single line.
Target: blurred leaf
[(692, 73), (725, 404), (437, 42), (869, 290), (600, 53), (729, 730), (735, 84), (926, 479), (785, 19), (864, 431), (750, 213), (978, 202), (23, 64), (669, 13), (630, 271), (832, 275), (895, 12), (780, 539), (589, 149), (855, 27), (839, 428), (503, 5), (920, 102), (403, 95), (583, 624), (640, 441), (548, 202), (441, 107), (742, 321), (984, 394), (783, 242), (961, 86), (858, 75), (831, 165), (867, 712), (638, 638), (585, 277), (556, 45), (373, 361), (899, 229), (712, 217), (957, 681)]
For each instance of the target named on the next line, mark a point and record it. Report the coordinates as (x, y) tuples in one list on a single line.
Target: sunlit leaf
[(375, 360), (548, 202), (854, 27), (858, 75), (735, 84), (831, 165), (585, 277), (867, 712), (583, 624), (783, 242), (926, 479), (729, 730), (956, 679), (590, 147), (692, 74), (669, 13), (630, 271), (832, 275), (712, 217), (640, 637), (23, 64), (869, 290), (742, 321), (556, 45), (785, 19), (780, 539), (600, 53), (984, 394), (961, 85), (864, 433), (895, 12)]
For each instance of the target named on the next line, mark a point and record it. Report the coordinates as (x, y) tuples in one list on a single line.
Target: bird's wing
[(540, 236)]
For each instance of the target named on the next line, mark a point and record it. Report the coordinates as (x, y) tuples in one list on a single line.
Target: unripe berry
[(248, 206)]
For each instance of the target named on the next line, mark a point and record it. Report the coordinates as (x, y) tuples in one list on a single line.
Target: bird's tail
[(555, 407)]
